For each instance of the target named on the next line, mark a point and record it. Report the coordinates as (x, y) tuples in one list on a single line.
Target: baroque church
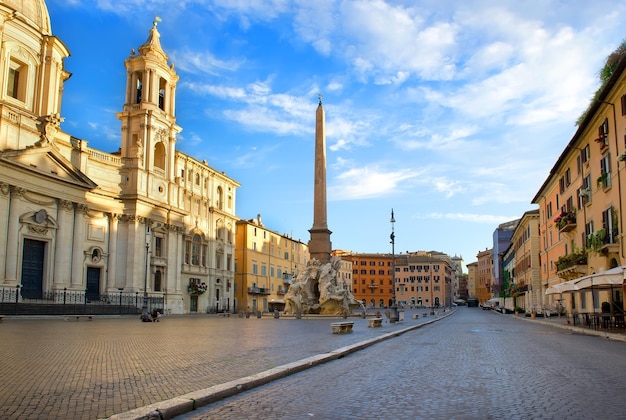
[(98, 224)]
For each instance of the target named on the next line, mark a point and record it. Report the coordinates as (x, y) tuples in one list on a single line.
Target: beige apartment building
[(525, 280), (98, 226), (472, 279), (266, 264), (424, 279), (581, 205)]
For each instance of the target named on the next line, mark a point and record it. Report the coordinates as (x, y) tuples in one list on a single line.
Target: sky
[(452, 113)]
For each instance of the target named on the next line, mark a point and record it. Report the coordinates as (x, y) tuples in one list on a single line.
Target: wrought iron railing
[(64, 302)]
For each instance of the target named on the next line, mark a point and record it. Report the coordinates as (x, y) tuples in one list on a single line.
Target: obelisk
[(320, 246)]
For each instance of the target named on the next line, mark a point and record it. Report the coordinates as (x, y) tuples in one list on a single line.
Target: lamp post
[(145, 316), (393, 315)]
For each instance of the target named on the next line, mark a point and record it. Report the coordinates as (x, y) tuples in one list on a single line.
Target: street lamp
[(393, 315), (145, 316)]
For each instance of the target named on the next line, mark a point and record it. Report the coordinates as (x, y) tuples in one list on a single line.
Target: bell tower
[(148, 120)]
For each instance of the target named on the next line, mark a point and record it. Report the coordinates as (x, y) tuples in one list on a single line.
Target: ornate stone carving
[(317, 291)]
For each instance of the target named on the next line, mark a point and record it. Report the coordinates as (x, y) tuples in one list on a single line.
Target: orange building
[(372, 279)]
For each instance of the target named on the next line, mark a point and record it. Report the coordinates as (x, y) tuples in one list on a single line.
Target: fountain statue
[(317, 291)]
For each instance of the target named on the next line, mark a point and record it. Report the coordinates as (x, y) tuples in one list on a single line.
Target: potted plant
[(517, 310)]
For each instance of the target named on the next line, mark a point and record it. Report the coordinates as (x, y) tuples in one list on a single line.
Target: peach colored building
[(581, 202), (424, 279)]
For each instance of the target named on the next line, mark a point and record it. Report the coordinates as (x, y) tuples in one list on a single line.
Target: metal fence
[(71, 302)]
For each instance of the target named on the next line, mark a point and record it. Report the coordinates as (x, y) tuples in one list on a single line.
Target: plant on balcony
[(565, 218), (596, 240), (622, 157), (569, 260), (197, 288), (603, 179)]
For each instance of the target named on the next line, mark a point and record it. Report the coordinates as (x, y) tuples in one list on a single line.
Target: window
[(193, 251), (255, 268), (609, 224), (584, 154), (286, 255), (568, 178), (623, 100), (138, 88), (16, 81), (604, 180), (157, 281), (603, 134), (159, 156), (162, 85), (220, 198), (549, 210), (263, 270), (158, 246), (373, 272)]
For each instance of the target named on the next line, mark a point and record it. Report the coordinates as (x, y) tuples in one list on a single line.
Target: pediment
[(47, 162)]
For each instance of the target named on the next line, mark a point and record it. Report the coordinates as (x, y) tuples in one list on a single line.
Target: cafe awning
[(604, 280)]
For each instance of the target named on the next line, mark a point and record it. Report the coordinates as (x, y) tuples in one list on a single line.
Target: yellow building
[(581, 202), (266, 263)]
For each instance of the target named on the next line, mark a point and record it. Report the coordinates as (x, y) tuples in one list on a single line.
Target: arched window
[(159, 156), (220, 198), (162, 86), (138, 88)]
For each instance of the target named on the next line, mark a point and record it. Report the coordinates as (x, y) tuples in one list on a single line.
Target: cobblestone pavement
[(54, 369), (472, 365)]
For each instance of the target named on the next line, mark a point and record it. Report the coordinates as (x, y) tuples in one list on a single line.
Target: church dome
[(33, 12)]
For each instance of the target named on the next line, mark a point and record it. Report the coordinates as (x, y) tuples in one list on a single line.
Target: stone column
[(13, 235), (112, 259), (4, 226), (63, 245), (78, 256)]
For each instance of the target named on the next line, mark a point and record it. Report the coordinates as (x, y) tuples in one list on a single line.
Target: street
[(472, 365)]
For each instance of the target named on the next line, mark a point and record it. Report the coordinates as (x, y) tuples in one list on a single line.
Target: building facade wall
[(97, 223)]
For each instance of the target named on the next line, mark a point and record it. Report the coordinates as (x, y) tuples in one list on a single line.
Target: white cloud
[(369, 182), (490, 219)]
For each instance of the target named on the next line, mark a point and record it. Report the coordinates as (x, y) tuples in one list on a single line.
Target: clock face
[(40, 216)]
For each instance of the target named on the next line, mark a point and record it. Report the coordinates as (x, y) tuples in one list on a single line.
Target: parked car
[(486, 306)]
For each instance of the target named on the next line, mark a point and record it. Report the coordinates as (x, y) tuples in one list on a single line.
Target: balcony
[(566, 221), (258, 291), (610, 243), (572, 265)]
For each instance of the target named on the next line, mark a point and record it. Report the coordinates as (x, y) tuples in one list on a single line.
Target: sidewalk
[(52, 368), (561, 322)]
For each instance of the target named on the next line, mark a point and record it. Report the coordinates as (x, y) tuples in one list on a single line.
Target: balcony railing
[(258, 291), (566, 222)]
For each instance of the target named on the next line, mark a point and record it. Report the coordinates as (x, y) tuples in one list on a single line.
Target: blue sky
[(450, 112)]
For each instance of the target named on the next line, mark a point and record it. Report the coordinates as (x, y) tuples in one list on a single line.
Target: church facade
[(97, 224)]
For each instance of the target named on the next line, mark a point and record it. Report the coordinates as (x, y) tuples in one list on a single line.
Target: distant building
[(526, 284), (472, 280), (371, 278), (424, 279), (266, 263), (484, 275), (501, 241)]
